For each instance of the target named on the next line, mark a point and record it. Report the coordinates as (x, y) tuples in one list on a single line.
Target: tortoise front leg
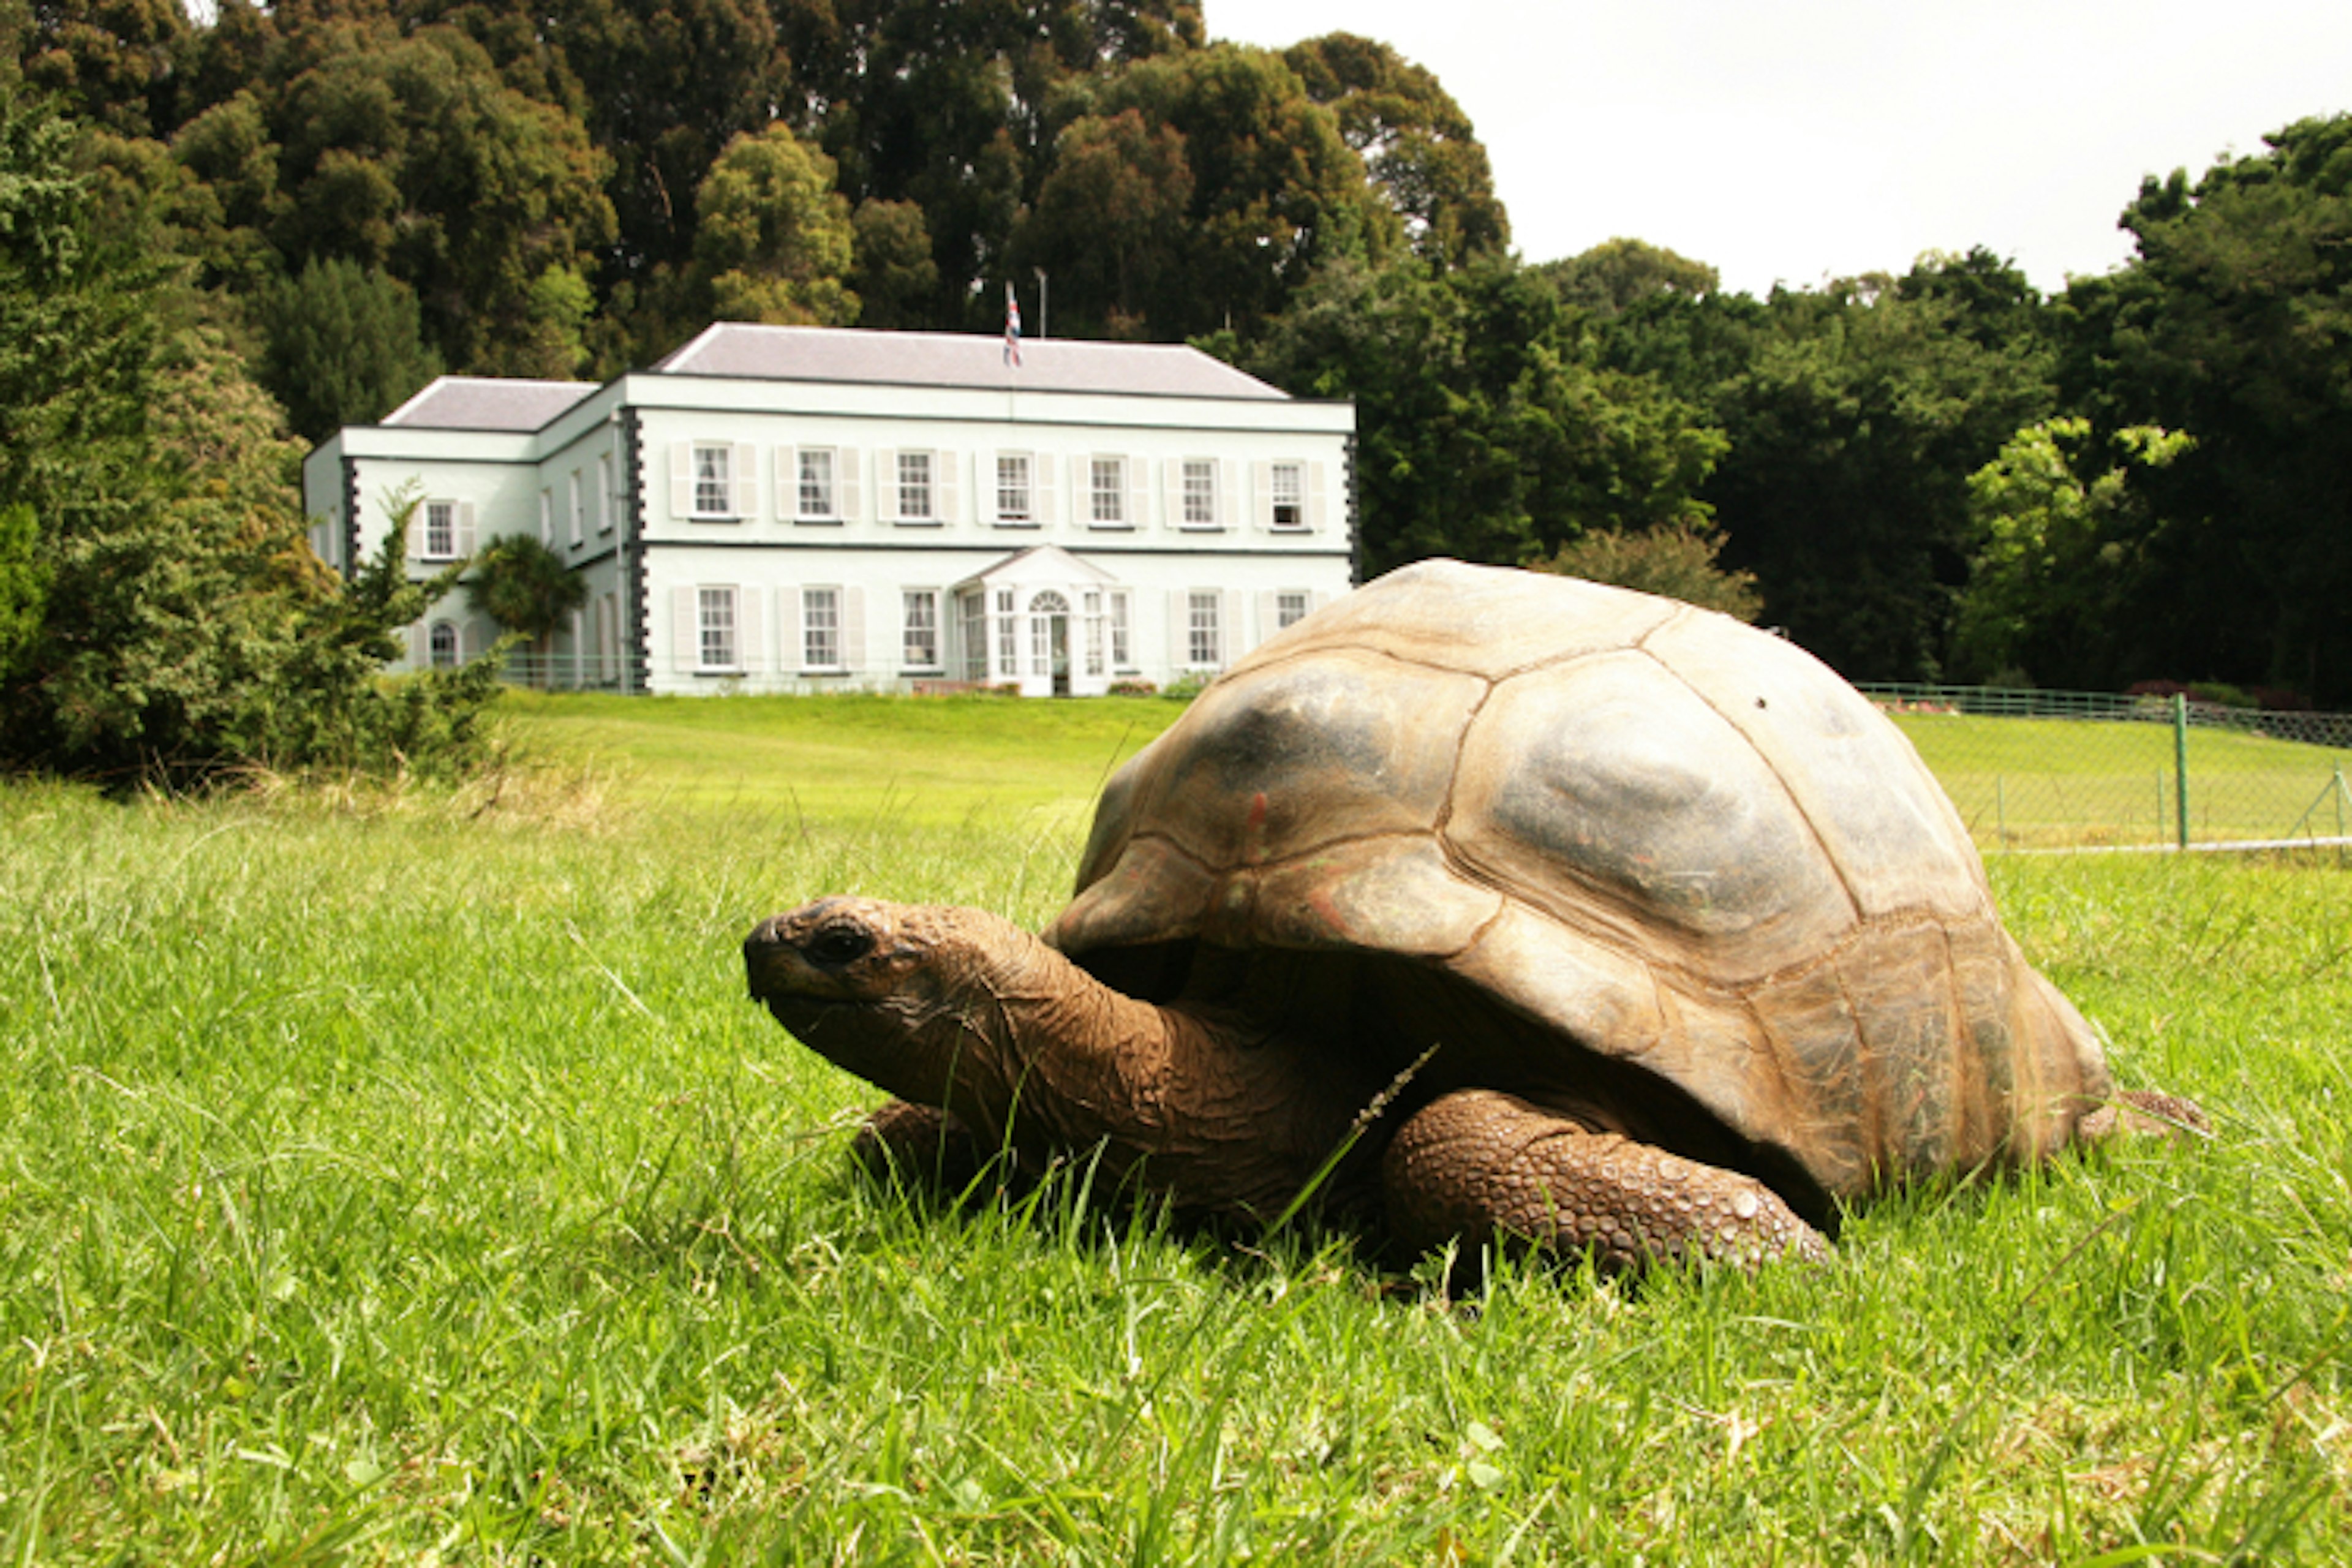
[(1483, 1165), (920, 1146)]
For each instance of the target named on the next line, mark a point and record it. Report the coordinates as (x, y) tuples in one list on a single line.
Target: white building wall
[(642, 626)]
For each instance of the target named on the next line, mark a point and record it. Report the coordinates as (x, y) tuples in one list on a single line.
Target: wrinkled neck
[(1034, 1054)]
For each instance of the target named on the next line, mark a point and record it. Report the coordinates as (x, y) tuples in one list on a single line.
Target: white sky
[(1808, 139)]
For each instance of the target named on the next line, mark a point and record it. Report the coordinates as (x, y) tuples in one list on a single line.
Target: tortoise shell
[(1608, 851)]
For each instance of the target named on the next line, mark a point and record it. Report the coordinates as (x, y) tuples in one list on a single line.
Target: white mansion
[(806, 509)]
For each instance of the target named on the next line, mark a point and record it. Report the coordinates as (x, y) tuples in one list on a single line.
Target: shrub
[(1677, 561)]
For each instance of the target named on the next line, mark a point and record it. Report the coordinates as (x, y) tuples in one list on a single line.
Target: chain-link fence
[(2052, 770)]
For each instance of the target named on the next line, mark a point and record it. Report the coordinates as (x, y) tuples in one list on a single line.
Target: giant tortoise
[(1575, 918)]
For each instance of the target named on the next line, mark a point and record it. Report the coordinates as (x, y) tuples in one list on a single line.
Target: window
[(1093, 602), (922, 644), (1122, 643), (1203, 643), (445, 646), (715, 623), (814, 484), (440, 530), (1008, 635), (821, 628), (1289, 495), (1013, 500), (1107, 491), (1200, 493), (714, 490), (579, 508), (974, 609), (604, 494), (915, 486), (1290, 607)]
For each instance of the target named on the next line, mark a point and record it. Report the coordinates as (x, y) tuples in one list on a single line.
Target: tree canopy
[(215, 236)]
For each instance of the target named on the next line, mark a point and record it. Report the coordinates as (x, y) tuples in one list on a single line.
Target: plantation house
[(806, 509)]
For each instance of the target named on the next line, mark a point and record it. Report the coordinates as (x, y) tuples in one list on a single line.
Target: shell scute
[(1609, 794), (1883, 821)]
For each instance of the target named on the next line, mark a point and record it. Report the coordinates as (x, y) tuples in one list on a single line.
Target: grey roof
[(484, 402), (968, 360)]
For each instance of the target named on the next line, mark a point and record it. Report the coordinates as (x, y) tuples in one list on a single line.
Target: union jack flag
[(1012, 328)]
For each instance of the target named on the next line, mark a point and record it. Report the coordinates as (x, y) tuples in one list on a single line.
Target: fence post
[(2180, 762)]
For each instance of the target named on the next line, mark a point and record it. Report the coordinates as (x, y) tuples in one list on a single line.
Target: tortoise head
[(901, 995)]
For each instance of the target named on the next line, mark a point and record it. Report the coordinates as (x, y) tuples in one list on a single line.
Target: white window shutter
[(751, 653), (1180, 627), (792, 654), (854, 654), (684, 631), (681, 478), (886, 484), (1262, 495), (788, 484), (844, 478), (1229, 627), (1315, 496), (465, 528), (417, 526), (943, 498), (1040, 472), (1318, 601), (1171, 482), (1229, 481), (1138, 492), (744, 470)]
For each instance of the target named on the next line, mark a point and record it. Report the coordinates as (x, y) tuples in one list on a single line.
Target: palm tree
[(525, 588)]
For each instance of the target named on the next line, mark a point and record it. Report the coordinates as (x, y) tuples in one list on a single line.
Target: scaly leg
[(1483, 1165), (920, 1145), (2144, 1112)]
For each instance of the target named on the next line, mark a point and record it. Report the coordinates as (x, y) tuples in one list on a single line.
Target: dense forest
[(220, 239)]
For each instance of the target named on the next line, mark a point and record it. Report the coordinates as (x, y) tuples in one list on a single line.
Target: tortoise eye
[(837, 945)]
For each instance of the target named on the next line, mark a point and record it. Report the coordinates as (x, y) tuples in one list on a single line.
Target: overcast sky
[(1810, 139)]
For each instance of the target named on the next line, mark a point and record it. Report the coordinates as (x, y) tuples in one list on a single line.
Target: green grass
[(408, 1180), (936, 762), (2044, 782)]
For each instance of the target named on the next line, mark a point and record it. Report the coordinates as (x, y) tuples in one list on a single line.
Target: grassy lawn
[(408, 1180), (2051, 782)]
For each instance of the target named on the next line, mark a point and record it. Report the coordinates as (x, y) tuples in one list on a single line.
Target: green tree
[(1417, 144), (1484, 431), (2059, 549), (409, 154), (111, 62), (181, 598), (23, 586), (776, 240), (893, 274), (1110, 225), (955, 106), (1677, 561), (1856, 415), (525, 588), (1617, 275), (2233, 321), (344, 346), (1276, 194), (665, 86)]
